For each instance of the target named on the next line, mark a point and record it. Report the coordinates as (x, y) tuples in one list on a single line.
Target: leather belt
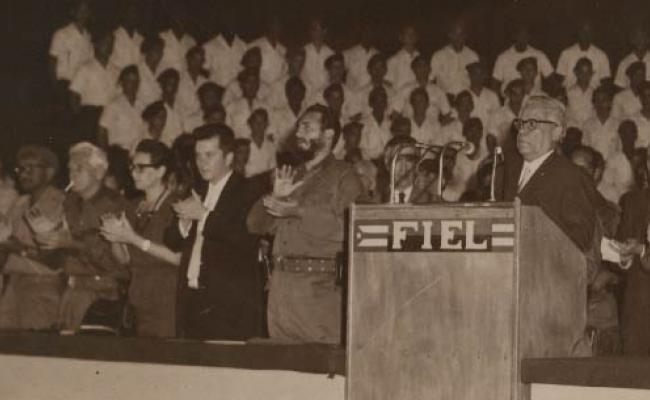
[(305, 264)]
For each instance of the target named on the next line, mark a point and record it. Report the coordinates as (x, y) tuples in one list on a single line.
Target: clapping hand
[(629, 249), (283, 184), (190, 209), (39, 222), (118, 230), (56, 239)]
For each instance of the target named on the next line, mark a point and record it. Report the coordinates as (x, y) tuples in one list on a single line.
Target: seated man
[(31, 298), (94, 270)]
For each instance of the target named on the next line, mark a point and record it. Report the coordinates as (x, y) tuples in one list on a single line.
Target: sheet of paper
[(609, 250)]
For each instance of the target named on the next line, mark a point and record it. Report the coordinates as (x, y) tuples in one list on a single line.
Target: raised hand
[(118, 230), (190, 209), (283, 184)]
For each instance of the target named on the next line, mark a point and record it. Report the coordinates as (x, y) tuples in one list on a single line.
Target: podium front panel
[(430, 308)]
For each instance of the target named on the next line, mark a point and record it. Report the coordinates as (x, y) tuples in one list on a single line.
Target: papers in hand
[(610, 250)]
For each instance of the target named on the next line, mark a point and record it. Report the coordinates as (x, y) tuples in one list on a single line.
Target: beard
[(302, 154)]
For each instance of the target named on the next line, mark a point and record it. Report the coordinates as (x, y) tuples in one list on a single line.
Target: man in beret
[(34, 287)]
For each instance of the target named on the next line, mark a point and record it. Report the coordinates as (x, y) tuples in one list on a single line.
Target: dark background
[(27, 27)]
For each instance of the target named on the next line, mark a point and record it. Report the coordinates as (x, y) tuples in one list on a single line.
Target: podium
[(444, 301)]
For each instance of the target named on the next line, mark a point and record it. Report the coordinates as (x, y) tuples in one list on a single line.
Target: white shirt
[(580, 106), (449, 68), (274, 64), (621, 79), (123, 122), (505, 67), (570, 56), (451, 132), (356, 61), (126, 49), (618, 177), (374, 136), (96, 84), (210, 202), (625, 104), (173, 125), (149, 89), (530, 167), (643, 130), (438, 101), (485, 104), (602, 137), (187, 99), (399, 68), (237, 115), (175, 50), (314, 72), (261, 158), (223, 60), (71, 48), (500, 123), (283, 122), (428, 132)]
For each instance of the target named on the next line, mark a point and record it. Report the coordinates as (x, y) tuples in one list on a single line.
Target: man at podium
[(544, 178)]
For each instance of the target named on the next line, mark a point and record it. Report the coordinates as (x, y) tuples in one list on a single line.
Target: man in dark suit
[(220, 293), (539, 176)]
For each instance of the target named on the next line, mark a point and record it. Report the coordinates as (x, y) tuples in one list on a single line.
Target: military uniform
[(304, 296)]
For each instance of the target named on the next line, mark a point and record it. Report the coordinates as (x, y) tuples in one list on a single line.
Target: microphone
[(498, 153), (465, 147), (427, 148)]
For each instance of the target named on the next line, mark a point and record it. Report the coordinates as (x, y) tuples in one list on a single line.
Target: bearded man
[(306, 213)]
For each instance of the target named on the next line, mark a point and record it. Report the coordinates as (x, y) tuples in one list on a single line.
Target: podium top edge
[(499, 205)]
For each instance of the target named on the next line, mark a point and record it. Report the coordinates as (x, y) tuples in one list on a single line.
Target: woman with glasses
[(154, 267)]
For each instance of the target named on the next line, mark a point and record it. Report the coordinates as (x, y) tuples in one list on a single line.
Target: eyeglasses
[(27, 168), (141, 167), (530, 124)]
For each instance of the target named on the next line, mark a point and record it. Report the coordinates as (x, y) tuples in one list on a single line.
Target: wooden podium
[(445, 301)]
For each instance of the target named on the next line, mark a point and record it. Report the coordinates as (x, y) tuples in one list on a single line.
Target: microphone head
[(498, 150)]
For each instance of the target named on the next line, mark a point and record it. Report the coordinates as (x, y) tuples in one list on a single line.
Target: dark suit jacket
[(229, 273), (563, 191), (636, 300)]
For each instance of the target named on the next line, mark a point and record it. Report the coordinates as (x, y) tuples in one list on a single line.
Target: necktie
[(523, 179)]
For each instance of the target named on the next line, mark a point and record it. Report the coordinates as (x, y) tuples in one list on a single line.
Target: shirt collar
[(536, 163)]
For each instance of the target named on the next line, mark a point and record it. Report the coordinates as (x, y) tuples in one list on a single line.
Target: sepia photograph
[(325, 200)]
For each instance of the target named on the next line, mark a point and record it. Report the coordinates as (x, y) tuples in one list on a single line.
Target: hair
[(419, 59), (249, 53), (634, 67), (602, 90), (377, 58), (210, 86), (40, 153), (160, 154), (95, 156), (295, 81), (331, 88), (152, 110), (151, 42), (327, 120), (513, 84), (194, 50), (395, 141), (582, 62), (169, 73), (336, 57), (528, 60), (418, 92), (129, 69), (553, 107), (118, 168), (220, 131), (258, 112)]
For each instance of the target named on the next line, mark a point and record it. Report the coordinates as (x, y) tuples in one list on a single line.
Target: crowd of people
[(193, 169)]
